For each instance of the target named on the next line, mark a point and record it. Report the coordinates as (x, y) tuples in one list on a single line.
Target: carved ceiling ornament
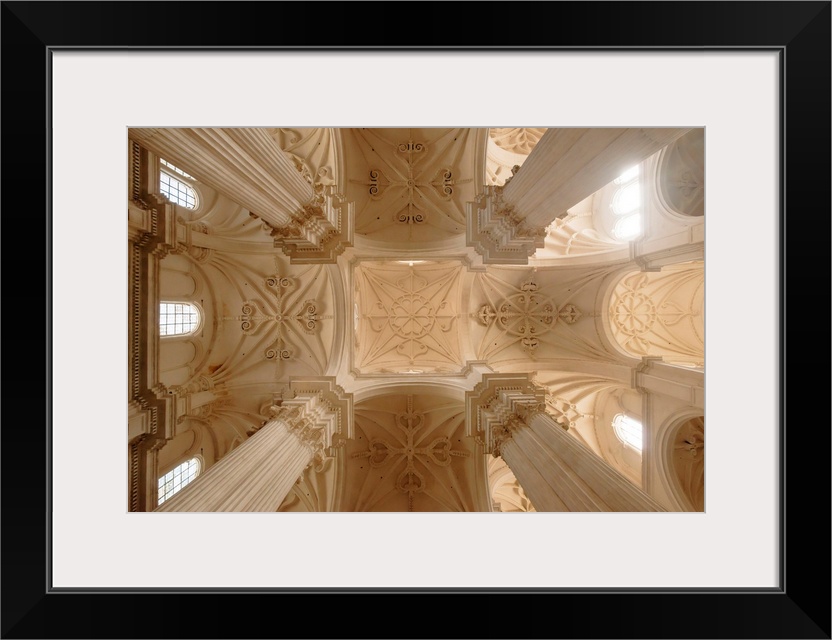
[(517, 140), (285, 310), (410, 453), (409, 315), (405, 448), (304, 316), (524, 315), (314, 152), (411, 182), (661, 314), (507, 150)]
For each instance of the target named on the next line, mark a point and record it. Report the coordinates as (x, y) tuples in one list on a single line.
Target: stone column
[(248, 166), (258, 475), (507, 224), (506, 412)]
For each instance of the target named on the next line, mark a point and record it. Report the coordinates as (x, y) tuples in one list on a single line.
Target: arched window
[(178, 318), (173, 187), (626, 205), (628, 430), (177, 478)]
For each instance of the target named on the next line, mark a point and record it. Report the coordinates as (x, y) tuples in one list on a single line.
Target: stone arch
[(411, 453), (681, 459), (680, 175), (657, 313)]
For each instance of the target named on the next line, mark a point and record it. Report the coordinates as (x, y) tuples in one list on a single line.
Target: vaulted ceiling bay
[(416, 319)]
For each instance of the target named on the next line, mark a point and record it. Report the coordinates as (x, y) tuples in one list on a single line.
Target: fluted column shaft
[(256, 476), (569, 165), (244, 164), (506, 414), (559, 474), (309, 417)]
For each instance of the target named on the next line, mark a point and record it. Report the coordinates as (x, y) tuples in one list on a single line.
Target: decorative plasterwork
[(533, 315), (321, 229), (280, 313), (518, 139), (410, 455), (500, 405), (571, 399), (410, 184), (315, 153), (662, 314), (277, 319), (406, 317), (506, 150), (498, 232), (527, 315), (319, 413), (382, 453)]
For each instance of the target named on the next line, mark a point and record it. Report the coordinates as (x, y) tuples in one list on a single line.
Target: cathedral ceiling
[(410, 185), (522, 314), (410, 453), (276, 320), (662, 313), (391, 311), (407, 317)]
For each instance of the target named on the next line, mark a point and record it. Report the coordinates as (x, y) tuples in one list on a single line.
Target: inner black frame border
[(31, 31)]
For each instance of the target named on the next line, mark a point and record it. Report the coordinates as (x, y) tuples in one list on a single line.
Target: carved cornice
[(319, 413), (319, 231), (499, 406), (498, 232)]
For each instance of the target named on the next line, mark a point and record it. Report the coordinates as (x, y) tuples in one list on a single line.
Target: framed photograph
[(82, 80)]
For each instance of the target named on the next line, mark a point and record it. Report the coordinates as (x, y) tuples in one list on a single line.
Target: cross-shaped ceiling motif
[(410, 454), (409, 184), (406, 315)]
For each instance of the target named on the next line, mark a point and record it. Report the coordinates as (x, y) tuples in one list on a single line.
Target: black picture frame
[(799, 608)]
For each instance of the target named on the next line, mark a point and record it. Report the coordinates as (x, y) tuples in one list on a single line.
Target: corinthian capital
[(320, 230), (499, 406), (498, 231), (318, 412)]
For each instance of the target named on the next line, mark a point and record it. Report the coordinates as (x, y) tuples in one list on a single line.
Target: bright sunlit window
[(628, 430), (178, 318), (626, 205), (177, 478), (627, 176), (176, 169), (175, 189)]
